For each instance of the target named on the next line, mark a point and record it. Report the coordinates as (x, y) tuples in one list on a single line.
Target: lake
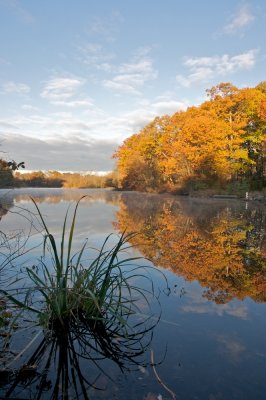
[(207, 338)]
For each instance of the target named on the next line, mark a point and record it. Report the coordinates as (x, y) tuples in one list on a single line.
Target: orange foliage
[(219, 140), (221, 251)]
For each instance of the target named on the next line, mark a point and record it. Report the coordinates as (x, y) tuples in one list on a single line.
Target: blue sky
[(78, 77)]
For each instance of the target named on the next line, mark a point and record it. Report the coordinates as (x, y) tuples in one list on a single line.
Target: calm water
[(210, 341)]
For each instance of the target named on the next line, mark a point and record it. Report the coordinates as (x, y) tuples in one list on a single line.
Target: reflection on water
[(213, 321), (95, 215), (76, 364), (54, 196), (222, 245)]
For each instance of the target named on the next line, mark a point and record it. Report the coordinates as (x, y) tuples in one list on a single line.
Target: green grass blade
[(63, 239), (71, 233), (19, 303), (51, 238)]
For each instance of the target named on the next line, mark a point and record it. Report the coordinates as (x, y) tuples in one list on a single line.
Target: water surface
[(210, 341)]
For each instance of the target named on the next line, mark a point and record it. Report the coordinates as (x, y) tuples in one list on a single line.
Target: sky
[(79, 77)]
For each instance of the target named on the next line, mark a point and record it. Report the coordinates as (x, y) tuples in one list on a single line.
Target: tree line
[(216, 144), (9, 178), (219, 144)]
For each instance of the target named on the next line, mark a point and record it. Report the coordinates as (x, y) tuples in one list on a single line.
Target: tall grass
[(90, 310), (68, 293)]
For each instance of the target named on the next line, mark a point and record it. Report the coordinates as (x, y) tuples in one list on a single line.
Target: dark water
[(210, 341)]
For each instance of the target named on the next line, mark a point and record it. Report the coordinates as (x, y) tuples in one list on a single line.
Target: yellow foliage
[(219, 140)]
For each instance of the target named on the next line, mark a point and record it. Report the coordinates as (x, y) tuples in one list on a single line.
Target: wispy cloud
[(14, 87), (130, 77), (91, 122), (64, 91), (21, 12), (52, 125), (94, 54), (207, 68), (74, 103), (131, 122), (168, 106), (107, 27), (240, 20), (197, 304), (59, 89), (29, 107), (232, 347), (212, 308)]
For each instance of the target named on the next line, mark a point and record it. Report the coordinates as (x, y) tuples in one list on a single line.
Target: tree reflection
[(221, 246), (73, 356), (57, 195)]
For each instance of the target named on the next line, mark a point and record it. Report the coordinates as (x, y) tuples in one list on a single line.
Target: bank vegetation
[(219, 145)]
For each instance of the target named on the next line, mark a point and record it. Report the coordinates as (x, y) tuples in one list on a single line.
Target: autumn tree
[(138, 159), (261, 86), (241, 110), (221, 140), (206, 144)]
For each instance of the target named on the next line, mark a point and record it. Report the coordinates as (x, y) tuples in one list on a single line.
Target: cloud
[(231, 347), (220, 310), (197, 304), (202, 306), (29, 107), (66, 153), (94, 54), (85, 131), (6, 125), (13, 87), (207, 68), (120, 84), (133, 121), (169, 107), (21, 12), (91, 124), (108, 27), (132, 76), (60, 89), (240, 20), (55, 124), (127, 77), (34, 120), (74, 103)]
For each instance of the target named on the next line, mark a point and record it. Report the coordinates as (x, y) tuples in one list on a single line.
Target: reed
[(68, 293)]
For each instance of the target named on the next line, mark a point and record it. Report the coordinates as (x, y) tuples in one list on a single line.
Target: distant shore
[(257, 196)]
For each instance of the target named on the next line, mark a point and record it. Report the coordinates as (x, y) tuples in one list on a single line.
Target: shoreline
[(258, 196)]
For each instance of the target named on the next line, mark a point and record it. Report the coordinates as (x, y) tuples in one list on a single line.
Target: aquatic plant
[(66, 293), (89, 309), (70, 366)]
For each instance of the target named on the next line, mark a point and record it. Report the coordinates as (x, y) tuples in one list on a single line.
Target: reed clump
[(68, 293)]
